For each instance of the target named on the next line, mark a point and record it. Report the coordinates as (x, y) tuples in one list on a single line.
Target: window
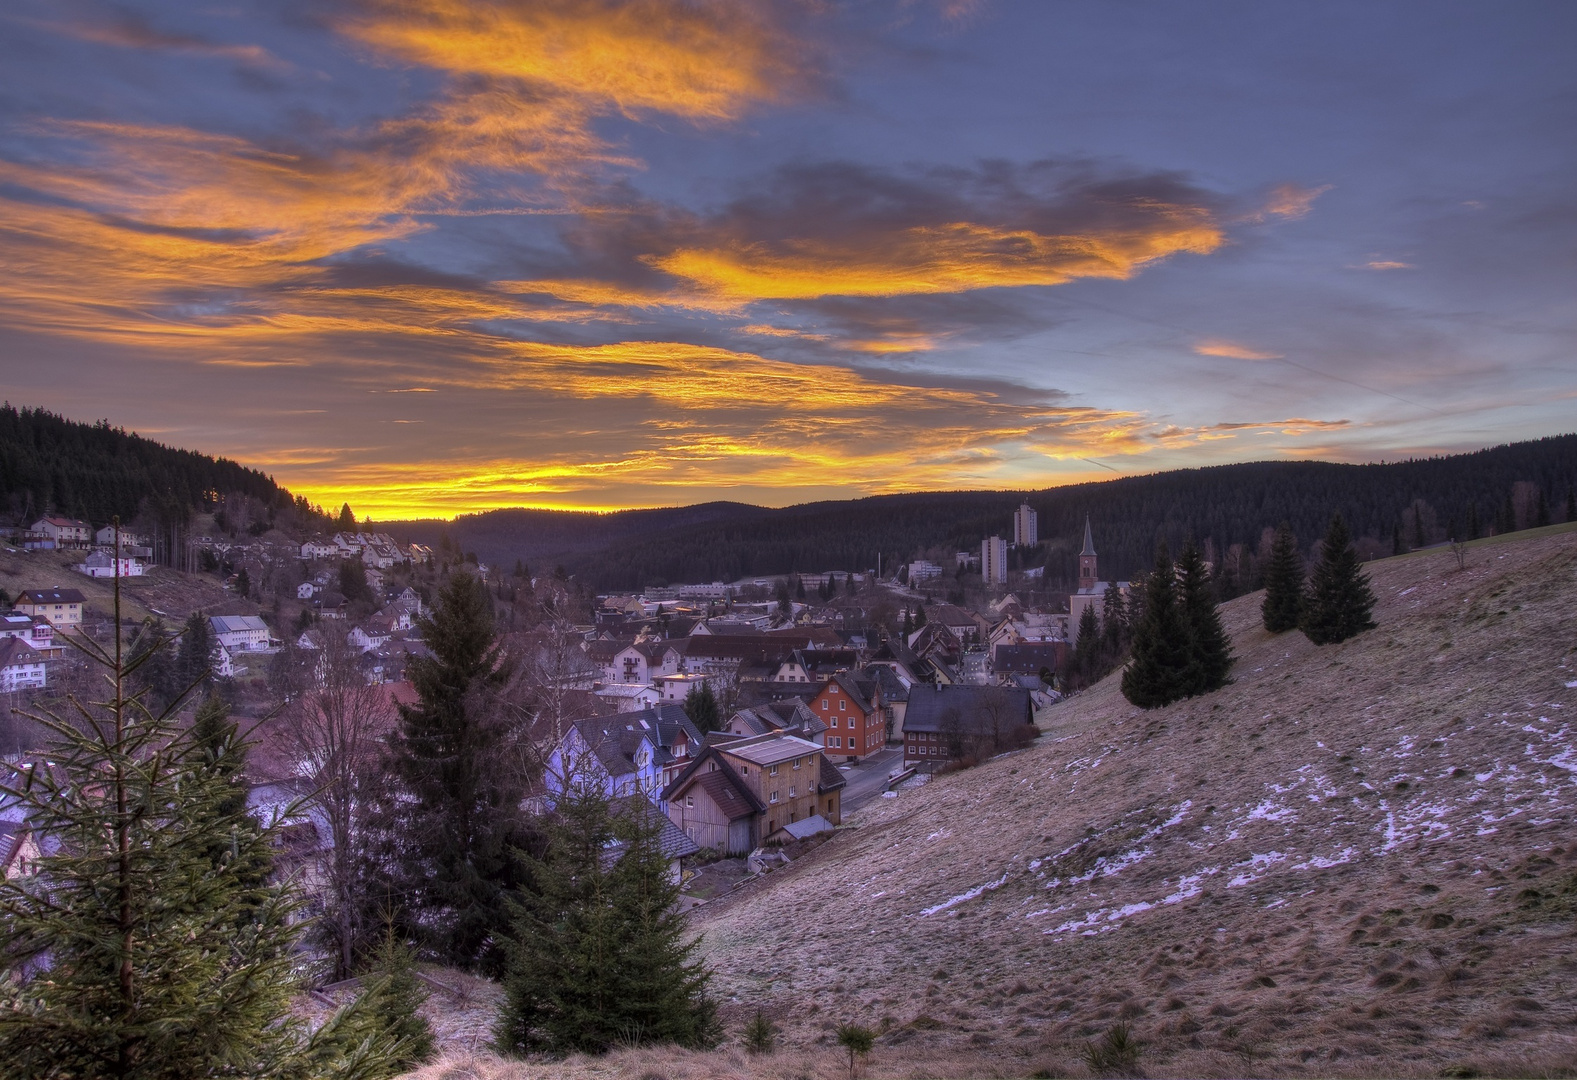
[(797, 761), (773, 771), (824, 704), (744, 770), (774, 796), (834, 722), (793, 791), (689, 800), (835, 741), (843, 706)]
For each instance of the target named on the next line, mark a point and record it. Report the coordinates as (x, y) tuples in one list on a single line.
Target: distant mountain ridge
[(49, 464), (1229, 504)]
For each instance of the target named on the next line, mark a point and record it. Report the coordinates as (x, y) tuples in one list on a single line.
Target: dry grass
[(1356, 860)]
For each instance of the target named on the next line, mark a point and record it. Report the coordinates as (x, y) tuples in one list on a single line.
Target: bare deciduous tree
[(335, 729)]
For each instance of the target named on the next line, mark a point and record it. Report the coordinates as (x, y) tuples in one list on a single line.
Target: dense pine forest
[(49, 464), (1389, 506)]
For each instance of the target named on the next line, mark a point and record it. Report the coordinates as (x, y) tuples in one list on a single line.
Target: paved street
[(868, 779)]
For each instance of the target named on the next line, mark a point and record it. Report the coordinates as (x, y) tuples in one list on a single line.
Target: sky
[(434, 257)]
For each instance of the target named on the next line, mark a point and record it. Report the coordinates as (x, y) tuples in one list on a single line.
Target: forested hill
[(1228, 504), (94, 472)]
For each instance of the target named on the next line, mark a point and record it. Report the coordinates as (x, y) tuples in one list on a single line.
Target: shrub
[(1117, 1054), (761, 1034)]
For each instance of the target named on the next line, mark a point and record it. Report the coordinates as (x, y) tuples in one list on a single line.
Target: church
[(1092, 591)]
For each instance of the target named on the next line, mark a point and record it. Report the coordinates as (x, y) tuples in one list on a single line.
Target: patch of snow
[(1259, 863), (965, 897)]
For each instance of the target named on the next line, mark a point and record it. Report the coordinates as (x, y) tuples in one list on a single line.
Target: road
[(868, 779)]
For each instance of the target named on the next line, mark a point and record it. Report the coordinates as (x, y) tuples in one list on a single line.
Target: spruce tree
[(1163, 668), (396, 995), (194, 655), (1541, 515), (598, 954), (132, 950), (458, 777), (1114, 622), (700, 705), (1087, 653), (1338, 602), (1283, 583), (1207, 638)]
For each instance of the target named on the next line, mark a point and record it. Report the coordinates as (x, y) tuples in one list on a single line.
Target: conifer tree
[(224, 752), (1541, 515), (1338, 602), (700, 705), (243, 583), (396, 996), (919, 616), (1163, 668), (130, 951), (1114, 622), (1087, 652), (1283, 583), (1207, 638), (458, 785), (599, 954), (194, 654), (1571, 503)]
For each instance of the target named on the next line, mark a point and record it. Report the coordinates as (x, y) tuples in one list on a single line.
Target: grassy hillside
[(1355, 860)]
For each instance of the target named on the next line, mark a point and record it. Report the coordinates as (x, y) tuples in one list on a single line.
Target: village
[(753, 716)]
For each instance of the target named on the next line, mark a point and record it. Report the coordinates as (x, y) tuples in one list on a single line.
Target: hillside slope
[(1355, 856), (1355, 860)]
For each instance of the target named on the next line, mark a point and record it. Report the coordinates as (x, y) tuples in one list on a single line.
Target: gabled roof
[(1029, 656), (858, 690), (55, 595), (769, 749), (970, 708), (723, 785), (671, 840), (830, 778), (14, 652), (893, 688), (237, 624)]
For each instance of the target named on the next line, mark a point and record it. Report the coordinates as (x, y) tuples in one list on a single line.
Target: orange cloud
[(702, 62), (1232, 350), (1291, 201), (946, 258), (1387, 264)]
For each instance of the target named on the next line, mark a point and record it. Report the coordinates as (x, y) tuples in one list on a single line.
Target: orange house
[(852, 710)]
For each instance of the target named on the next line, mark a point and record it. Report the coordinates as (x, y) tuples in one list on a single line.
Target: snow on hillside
[(1356, 857)]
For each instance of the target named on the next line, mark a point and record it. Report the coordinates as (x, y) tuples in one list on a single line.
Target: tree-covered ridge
[(95, 471), (1498, 489)]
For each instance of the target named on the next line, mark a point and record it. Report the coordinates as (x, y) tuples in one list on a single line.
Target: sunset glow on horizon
[(433, 257)]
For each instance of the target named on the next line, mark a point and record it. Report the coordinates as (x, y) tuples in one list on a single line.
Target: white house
[(105, 537), (101, 564), (318, 549), (240, 633), (306, 590), (65, 532), (21, 667)]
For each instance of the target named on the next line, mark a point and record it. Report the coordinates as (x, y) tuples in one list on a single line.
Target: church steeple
[(1087, 572)]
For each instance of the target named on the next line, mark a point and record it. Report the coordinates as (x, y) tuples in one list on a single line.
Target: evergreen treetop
[(1209, 645), (1283, 583), (459, 782), (1163, 668), (1338, 602), (599, 954), (700, 705)]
